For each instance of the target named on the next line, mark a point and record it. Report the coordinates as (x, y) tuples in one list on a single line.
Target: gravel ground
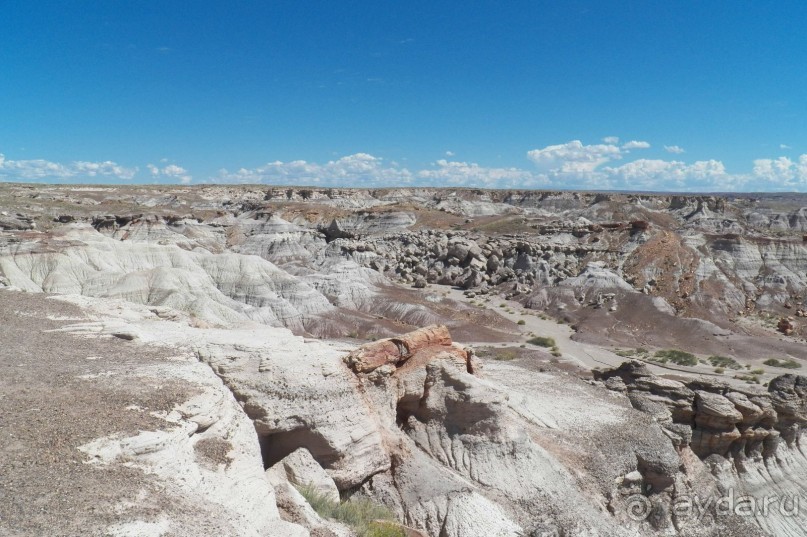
[(47, 410)]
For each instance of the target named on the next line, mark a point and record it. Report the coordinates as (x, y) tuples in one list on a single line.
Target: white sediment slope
[(217, 288), (454, 453)]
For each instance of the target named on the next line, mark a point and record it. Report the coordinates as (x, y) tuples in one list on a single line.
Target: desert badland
[(228, 359)]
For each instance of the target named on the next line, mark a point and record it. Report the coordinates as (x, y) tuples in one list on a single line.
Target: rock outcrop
[(713, 418), (748, 437)]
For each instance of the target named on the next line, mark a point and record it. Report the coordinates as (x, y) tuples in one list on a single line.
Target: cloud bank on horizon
[(610, 165)]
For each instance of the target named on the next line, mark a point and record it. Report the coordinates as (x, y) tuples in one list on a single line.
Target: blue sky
[(627, 95)]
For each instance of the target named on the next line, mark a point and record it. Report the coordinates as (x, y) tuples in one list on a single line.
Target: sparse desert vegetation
[(675, 356), (542, 341), (749, 379), (501, 355), (546, 342), (724, 362), (365, 517), (788, 363), (640, 352)]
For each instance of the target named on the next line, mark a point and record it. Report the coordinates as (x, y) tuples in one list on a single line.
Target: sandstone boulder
[(750, 411), (712, 418), (785, 326), (715, 411), (302, 470)]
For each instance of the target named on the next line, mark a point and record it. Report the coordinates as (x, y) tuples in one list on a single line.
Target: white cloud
[(450, 153), (170, 172), (363, 169), (571, 165), (634, 144), (784, 146), (174, 170), (77, 170), (574, 165), (573, 157), (653, 174), (360, 169), (472, 174), (782, 173), (613, 140)]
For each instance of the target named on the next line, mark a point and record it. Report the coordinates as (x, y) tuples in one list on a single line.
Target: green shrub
[(367, 518), (628, 353), (719, 370), (522, 322), (504, 355), (379, 528), (321, 503), (758, 371), (724, 362), (749, 379), (787, 364), (541, 341), (677, 357)]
